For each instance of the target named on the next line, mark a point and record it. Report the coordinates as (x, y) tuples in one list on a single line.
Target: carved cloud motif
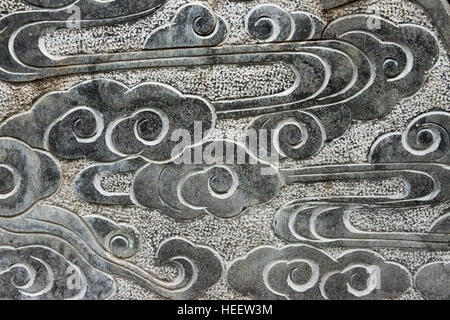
[(26, 176), (433, 280), (419, 157), (189, 190), (194, 25), (95, 248), (426, 139), (303, 272), (37, 272), (104, 120)]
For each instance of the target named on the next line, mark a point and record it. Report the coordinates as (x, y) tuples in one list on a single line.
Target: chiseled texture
[(234, 238)]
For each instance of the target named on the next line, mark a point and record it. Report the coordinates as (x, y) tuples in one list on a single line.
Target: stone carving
[(400, 72), (419, 156), (93, 249), (340, 82), (122, 240), (271, 23), (433, 280), (88, 183), (300, 134), (38, 272), (328, 72), (327, 224), (426, 139), (25, 59), (344, 70), (442, 224), (438, 10), (225, 186), (189, 191), (49, 4), (330, 4), (26, 176), (104, 120), (348, 72), (50, 253), (194, 25), (183, 189), (301, 272)]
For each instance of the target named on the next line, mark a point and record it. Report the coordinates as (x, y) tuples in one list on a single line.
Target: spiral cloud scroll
[(104, 120), (297, 272), (92, 250), (154, 150), (194, 25), (190, 190), (26, 176), (36, 272), (426, 139)]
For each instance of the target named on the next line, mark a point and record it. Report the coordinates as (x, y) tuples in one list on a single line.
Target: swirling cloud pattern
[(396, 54), (26, 176), (426, 139), (93, 246), (270, 23), (433, 280), (104, 120), (303, 272), (194, 25), (189, 190), (40, 273)]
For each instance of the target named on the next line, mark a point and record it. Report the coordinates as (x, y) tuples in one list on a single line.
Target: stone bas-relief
[(80, 256), (104, 120), (299, 272), (302, 272), (438, 10), (226, 186), (354, 72), (419, 156), (350, 70)]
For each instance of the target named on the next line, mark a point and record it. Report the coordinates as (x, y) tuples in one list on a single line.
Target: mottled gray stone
[(330, 4), (104, 120), (54, 233), (418, 156), (187, 191), (439, 10), (36, 272), (336, 82), (433, 280), (88, 183), (302, 272), (27, 176), (347, 67), (271, 23), (194, 25), (183, 188)]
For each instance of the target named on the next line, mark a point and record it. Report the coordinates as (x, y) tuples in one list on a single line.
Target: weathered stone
[(104, 120), (337, 153), (53, 233), (302, 272)]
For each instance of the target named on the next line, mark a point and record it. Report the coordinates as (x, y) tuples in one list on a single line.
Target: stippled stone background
[(235, 237)]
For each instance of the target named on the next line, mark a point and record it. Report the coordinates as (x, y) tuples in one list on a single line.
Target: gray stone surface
[(360, 120), (302, 272)]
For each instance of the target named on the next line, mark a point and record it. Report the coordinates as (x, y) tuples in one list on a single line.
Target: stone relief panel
[(322, 118)]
